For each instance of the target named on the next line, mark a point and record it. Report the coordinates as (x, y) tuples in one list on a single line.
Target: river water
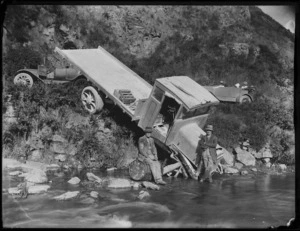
[(251, 201)]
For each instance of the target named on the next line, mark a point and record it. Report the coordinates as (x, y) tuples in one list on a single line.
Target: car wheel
[(24, 79), (245, 99), (91, 100)]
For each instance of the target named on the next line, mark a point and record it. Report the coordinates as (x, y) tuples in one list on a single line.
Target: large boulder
[(225, 155), (238, 165), (265, 152), (119, 183), (244, 157)]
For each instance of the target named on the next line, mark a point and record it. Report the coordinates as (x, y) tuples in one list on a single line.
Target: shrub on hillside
[(18, 58)]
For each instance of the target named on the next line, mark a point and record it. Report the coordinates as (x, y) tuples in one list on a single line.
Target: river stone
[(282, 167), (230, 170), (268, 165), (94, 194), (266, 160), (58, 138), (93, 177), (53, 167), (238, 165), (37, 176), (36, 155), (58, 148), (245, 172), (119, 183), (143, 194), (61, 157), (34, 166), (11, 163), (136, 185), (74, 180), (254, 169), (150, 185), (245, 157), (14, 190), (15, 173), (67, 195), (35, 189)]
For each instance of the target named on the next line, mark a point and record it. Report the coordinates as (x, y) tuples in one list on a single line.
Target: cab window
[(158, 94), (185, 114)]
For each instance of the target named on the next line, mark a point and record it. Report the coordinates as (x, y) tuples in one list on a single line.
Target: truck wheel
[(91, 100), (24, 79), (245, 99)]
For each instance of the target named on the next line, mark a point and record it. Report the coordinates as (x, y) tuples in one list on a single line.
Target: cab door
[(152, 108)]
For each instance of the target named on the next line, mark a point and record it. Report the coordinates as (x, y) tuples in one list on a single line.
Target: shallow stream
[(252, 201)]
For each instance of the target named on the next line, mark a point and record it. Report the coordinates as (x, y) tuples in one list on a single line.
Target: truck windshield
[(185, 114)]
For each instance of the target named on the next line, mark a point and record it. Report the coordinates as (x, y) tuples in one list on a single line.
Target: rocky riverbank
[(37, 178)]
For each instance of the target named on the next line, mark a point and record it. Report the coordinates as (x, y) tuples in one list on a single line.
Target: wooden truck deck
[(108, 74)]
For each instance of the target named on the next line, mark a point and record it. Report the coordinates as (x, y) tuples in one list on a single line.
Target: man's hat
[(209, 128), (148, 130)]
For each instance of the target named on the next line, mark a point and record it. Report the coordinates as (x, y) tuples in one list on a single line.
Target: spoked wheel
[(245, 99), (91, 100), (23, 79)]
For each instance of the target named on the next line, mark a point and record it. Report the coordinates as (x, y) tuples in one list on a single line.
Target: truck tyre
[(91, 100), (245, 99), (24, 79)]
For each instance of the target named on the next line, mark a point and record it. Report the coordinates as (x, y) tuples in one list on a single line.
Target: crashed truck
[(176, 107)]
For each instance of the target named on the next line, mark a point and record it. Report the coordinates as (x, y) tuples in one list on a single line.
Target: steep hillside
[(207, 43)]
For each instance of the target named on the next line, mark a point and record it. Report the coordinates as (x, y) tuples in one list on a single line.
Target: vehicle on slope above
[(232, 94), (60, 75)]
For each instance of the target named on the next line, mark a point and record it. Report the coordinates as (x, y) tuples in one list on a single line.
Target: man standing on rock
[(207, 149), (148, 154)]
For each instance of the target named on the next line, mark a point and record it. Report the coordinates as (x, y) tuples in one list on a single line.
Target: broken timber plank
[(171, 167), (191, 171)]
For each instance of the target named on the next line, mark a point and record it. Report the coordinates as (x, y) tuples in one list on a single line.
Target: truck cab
[(177, 110)]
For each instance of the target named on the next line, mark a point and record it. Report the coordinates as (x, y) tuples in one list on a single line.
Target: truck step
[(124, 95)]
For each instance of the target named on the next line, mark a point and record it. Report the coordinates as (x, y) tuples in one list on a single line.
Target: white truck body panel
[(108, 74)]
